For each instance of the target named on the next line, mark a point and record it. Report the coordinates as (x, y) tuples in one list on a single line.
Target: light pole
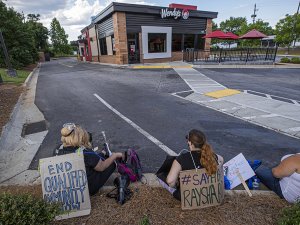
[(295, 22), (10, 71)]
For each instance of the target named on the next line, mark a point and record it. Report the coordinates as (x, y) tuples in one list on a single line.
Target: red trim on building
[(181, 6)]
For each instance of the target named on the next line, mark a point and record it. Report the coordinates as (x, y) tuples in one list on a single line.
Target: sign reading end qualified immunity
[(64, 180)]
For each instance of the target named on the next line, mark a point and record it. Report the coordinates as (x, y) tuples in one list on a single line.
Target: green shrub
[(290, 215), (295, 60), (145, 220), (25, 209), (285, 60)]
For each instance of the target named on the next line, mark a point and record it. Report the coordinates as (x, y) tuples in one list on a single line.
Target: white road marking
[(295, 129), (249, 117), (181, 92), (139, 129), (268, 96), (269, 115), (295, 102), (233, 108), (66, 65), (213, 100)]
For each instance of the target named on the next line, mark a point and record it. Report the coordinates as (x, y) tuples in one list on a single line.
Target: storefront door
[(133, 48)]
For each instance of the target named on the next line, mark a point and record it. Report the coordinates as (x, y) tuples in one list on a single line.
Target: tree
[(284, 30), (233, 24), (19, 42), (259, 25), (38, 31), (59, 38), (214, 26), (33, 17)]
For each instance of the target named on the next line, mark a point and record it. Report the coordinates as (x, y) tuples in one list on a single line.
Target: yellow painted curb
[(222, 93)]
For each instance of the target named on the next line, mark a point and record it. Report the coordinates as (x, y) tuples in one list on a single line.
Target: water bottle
[(256, 183)]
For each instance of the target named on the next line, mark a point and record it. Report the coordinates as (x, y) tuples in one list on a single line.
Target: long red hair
[(208, 157)]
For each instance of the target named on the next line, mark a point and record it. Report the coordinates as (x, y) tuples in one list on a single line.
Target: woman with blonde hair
[(98, 166), (200, 155)]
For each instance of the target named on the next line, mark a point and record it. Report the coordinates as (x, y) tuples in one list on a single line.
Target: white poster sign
[(238, 163), (64, 180)]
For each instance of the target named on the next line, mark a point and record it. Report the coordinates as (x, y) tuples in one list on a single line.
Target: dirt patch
[(30, 67), (161, 208), (9, 95)]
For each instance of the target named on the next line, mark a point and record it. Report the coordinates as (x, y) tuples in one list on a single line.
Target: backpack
[(131, 166)]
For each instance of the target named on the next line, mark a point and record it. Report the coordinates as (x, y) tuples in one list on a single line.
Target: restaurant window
[(189, 41), (157, 42), (176, 42), (200, 42), (103, 46)]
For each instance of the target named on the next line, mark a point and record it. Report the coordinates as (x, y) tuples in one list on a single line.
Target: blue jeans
[(266, 177)]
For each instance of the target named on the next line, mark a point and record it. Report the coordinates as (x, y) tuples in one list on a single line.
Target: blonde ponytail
[(208, 160)]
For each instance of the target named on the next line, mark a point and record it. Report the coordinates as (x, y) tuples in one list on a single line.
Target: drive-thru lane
[(66, 93)]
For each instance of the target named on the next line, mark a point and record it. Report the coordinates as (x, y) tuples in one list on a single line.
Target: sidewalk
[(17, 150), (276, 115)]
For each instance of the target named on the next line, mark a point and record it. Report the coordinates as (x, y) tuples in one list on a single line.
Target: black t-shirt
[(91, 159), (186, 162)]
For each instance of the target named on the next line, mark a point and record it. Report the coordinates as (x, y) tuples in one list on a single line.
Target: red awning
[(232, 35), (253, 34), (217, 34)]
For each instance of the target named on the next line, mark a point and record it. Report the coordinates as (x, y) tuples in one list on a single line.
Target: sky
[(74, 15)]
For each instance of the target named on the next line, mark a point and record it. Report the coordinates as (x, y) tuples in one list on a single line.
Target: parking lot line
[(138, 128)]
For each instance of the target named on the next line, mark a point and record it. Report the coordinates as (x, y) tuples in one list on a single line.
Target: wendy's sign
[(64, 180), (175, 13)]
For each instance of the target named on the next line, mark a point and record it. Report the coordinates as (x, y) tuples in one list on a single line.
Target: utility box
[(47, 56)]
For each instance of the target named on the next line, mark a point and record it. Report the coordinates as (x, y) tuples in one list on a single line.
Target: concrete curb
[(152, 182), (6, 128), (17, 152)]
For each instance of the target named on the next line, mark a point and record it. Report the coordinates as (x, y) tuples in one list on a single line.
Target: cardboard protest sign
[(198, 190), (238, 163), (64, 180)]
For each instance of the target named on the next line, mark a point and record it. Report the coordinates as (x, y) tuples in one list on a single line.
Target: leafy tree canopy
[(233, 24), (19, 42), (59, 38), (284, 30)]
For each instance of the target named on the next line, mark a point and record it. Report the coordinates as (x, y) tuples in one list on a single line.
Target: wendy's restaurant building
[(130, 33)]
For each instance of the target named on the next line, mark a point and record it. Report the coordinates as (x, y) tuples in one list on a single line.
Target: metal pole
[(220, 56), (10, 71), (275, 53), (295, 21), (248, 50)]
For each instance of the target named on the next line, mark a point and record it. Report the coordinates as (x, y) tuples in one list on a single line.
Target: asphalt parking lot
[(66, 93)]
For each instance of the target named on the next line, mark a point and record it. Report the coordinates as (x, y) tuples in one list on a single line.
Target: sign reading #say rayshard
[(176, 13)]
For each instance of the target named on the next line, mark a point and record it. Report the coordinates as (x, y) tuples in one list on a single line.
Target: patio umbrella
[(217, 34), (232, 36), (253, 34)]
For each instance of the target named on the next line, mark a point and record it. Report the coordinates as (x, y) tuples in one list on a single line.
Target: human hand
[(117, 155)]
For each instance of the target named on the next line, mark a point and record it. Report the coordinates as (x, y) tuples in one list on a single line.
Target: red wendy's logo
[(185, 14)]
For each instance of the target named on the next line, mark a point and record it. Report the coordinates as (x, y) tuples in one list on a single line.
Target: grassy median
[(18, 80)]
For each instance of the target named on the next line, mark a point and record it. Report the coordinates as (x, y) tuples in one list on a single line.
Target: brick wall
[(120, 34), (177, 56), (94, 58), (111, 59), (208, 31), (162, 60)]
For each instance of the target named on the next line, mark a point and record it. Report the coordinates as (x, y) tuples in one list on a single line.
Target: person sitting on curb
[(98, 167), (283, 179), (201, 155)]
